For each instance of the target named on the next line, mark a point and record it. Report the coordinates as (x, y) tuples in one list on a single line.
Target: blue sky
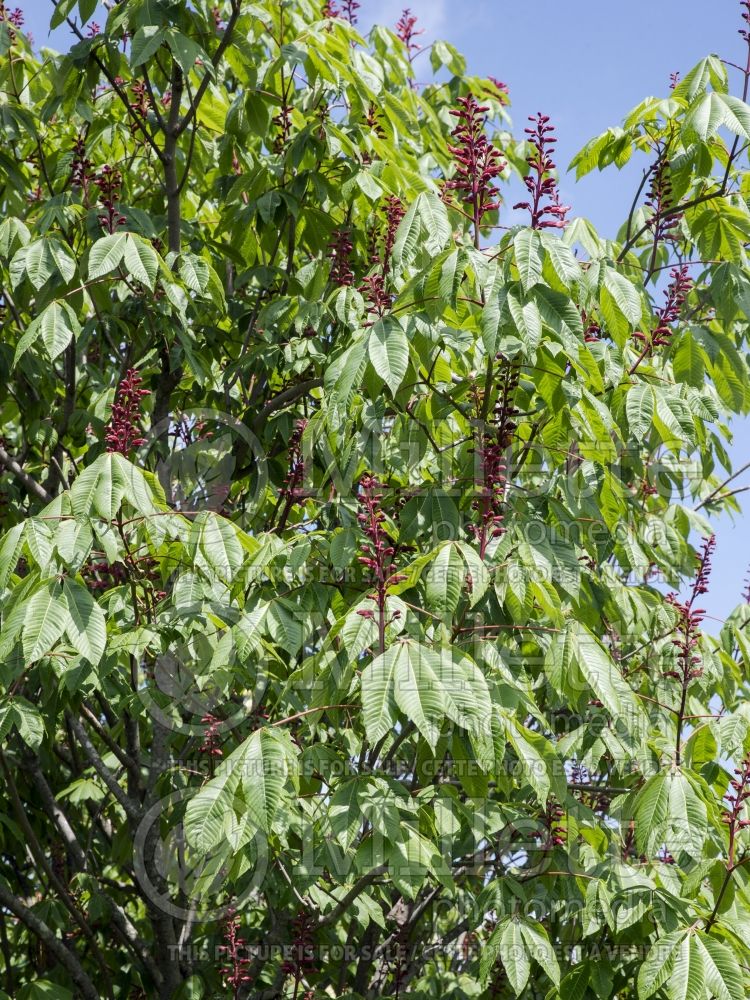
[(586, 68)]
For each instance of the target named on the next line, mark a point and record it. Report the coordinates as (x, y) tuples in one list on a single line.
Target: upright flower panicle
[(689, 620), (378, 552), (80, 166), (394, 213), (675, 295), (545, 208), (340, 252), (744, 32), (736, 802), (349, 10), (301, 960), (292, 491), (109, 182), (478, 163), (14, 18), (493, 447), (123, 433), (211, 744), (406, 31), (235, 970), (660, 199), (502, 88)]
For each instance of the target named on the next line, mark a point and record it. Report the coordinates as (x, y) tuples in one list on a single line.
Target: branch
[(359, 887), (32, 487), (131, 809), (53, 943), (115, 86), (215, 59), (718, 489), (287, 396)]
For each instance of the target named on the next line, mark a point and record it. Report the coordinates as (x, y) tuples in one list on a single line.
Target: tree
[(338, 500)]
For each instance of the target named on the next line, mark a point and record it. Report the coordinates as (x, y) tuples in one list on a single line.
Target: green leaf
[(722, 971), (99, 489), (45, 620), (639, 406), (625, 295), (107, 254), (445, 580), (659, 963), (146, 41), (28, 723), (651, 809), (388, 348), (86, 625), (539, 946), (209, 813), (378, 703), (140, 260), (514, 956), (529, 257), (417, 690), (563, 261), (264, 770)]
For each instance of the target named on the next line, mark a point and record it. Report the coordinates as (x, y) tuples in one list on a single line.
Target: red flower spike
[(123, 434), (349, 10), (405, 30), (540, 181), (478, 163), (690, 619), (235, 970), (339, 252), (109, 182)]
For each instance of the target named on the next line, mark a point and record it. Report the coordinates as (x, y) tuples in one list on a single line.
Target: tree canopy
[(355, 519)]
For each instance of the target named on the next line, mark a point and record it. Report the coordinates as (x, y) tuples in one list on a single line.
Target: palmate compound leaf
[(388, 348), (256, 772), (86, 625), (46, 617), (689, 964), (427, 685), (516, 942)]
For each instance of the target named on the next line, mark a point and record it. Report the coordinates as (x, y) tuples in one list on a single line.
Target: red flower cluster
[(234, 972), (104, 575), (339, 252), (478, 163), (122, 433), (736, 799), (349, 10), (374, 290), (211, 735), (660, 200), (540, 181), (746, 18), (675, 295), (690, 619), (292, 492), (552, 820), (14, 17), (405, 30), (109, 182), (80, 166), (502, 87), (496, 440), (394, 213), (330, 9), (302, 957), (378, 552)]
